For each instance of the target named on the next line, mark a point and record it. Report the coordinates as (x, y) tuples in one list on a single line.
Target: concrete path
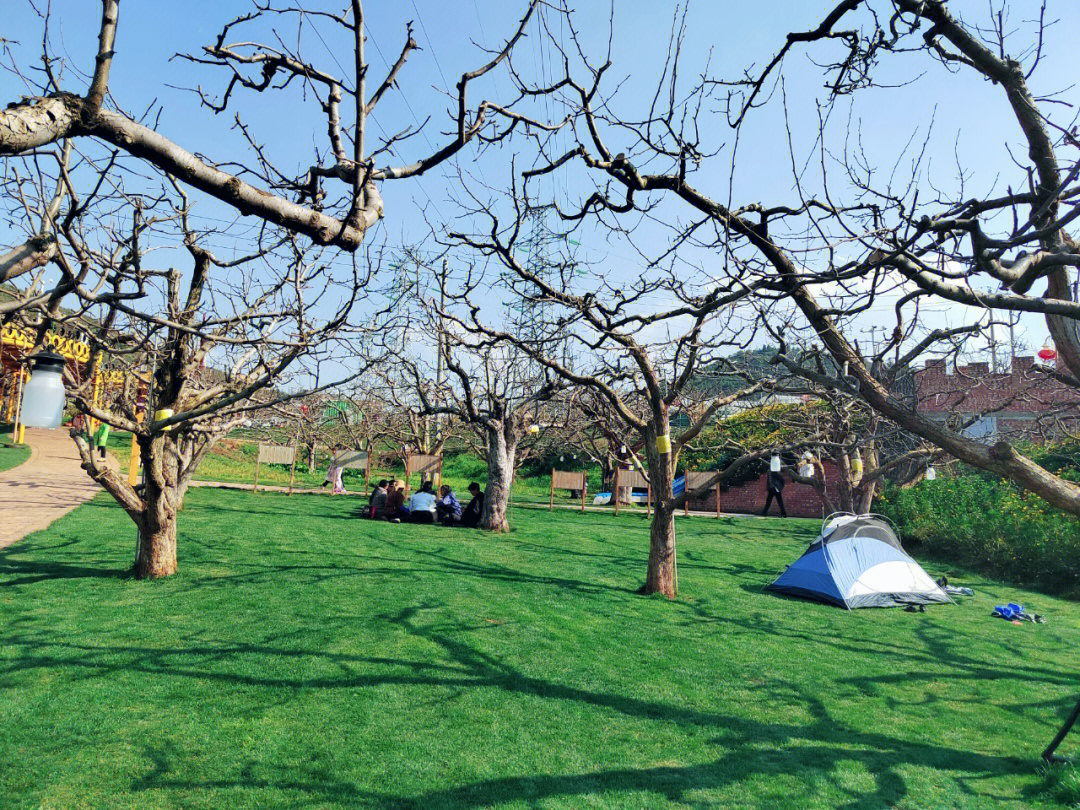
[(46, 486), (268, 488)]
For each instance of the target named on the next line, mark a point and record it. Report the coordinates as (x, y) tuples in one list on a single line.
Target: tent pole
[(1048, 755)]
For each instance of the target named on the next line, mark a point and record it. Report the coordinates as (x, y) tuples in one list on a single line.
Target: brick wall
[(800, 500), (973, 388)]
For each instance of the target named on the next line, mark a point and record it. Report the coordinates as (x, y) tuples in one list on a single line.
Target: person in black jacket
[(775, 486), (470, 518)]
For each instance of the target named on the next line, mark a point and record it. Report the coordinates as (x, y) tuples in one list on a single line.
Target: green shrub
[(992, 526)]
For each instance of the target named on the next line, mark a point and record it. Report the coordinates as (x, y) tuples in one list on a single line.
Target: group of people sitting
[(388, 503)]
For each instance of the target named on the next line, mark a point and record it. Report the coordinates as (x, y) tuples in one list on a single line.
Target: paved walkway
[(46, 486), (268, 488)]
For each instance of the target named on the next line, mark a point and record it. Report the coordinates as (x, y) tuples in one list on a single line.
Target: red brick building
[(1023, 402)]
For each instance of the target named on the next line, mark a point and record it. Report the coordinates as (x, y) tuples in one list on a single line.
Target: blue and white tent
[(857, 561)]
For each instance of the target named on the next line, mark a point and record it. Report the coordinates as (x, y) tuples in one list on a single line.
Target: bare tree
[(301, 204), (851, 237), (643, 361), (206, 346), (485, 384)]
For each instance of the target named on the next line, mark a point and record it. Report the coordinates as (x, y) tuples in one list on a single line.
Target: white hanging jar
[(44, 397)]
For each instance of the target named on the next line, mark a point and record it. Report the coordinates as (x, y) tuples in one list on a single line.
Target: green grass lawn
[(303, 658), (12, 455)]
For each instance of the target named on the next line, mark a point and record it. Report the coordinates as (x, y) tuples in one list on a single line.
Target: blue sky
[(970, 117)]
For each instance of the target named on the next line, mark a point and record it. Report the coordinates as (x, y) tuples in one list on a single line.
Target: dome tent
[(857, 561)]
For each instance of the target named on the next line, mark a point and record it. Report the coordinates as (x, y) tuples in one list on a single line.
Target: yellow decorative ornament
[(663, 444), (163, 414), (534, 429), (856, 464)]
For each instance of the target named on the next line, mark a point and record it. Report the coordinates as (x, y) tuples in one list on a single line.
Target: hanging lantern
[(534, 429), (931, 473), (856, 464), (623, 450), (1047, 352), (44, 398), (774, 463), (562, 459)]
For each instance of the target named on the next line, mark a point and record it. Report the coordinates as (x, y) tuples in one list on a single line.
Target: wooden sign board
[(631, 479), (699, 480), (423, 464), (352, 460), (562, 479), (276, 454)]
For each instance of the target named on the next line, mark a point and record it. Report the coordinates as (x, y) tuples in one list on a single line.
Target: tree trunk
[(865, 497), (502, 444), (157, 529), (661, 576)]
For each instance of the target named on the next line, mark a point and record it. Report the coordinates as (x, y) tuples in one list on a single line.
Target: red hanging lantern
[(1047, 353)]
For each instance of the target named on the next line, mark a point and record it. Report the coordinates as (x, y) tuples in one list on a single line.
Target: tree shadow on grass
[(22, 564), (811, 750), (387, 557)]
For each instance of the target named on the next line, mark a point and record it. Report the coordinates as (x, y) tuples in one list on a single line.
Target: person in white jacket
[(422, 505)]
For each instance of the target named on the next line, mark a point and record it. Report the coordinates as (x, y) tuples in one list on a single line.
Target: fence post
[(583, 485)]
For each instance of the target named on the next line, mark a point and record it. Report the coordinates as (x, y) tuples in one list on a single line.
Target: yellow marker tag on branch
[(163, 414), (663, 444)]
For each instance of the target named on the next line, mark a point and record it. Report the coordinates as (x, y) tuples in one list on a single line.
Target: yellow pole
[(17, 430), (133, 460), (97, 400)]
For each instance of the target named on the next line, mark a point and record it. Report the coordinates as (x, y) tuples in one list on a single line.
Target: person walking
[(101, 438), (333, 473), (775, 487)]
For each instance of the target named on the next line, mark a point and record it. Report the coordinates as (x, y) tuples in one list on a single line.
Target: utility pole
[(440, 339), (1012, 342), (993, 349), (873, 330)]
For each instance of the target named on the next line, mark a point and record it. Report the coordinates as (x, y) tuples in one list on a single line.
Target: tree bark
[(156, 557), (36, 122), (660, 576), (502, 444)]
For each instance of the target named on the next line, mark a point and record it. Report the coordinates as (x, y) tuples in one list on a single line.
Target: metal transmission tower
[(529, 314)]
